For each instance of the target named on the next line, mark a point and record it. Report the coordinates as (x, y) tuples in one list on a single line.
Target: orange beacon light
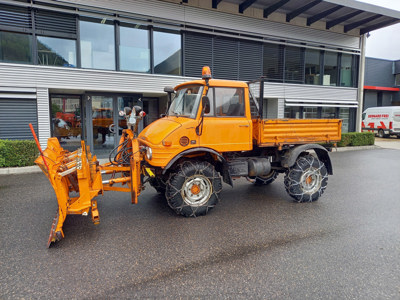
[(206, 72)]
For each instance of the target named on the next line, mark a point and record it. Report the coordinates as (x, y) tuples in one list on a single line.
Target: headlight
[(149, 153)]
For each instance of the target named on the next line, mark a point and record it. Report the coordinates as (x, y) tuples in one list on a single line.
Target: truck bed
[(279, 132)]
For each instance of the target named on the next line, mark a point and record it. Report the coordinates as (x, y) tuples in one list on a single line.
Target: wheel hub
[(311, 180), (196, 190)]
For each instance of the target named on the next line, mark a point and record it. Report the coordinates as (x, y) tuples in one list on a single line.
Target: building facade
[(382, 83), (69, 67)]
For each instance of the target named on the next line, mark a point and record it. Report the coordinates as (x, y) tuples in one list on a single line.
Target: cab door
[(226, 127)]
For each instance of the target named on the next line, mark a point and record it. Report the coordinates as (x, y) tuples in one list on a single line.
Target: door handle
[(243, 125)]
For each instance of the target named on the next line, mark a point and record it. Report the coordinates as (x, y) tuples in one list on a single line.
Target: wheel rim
[(311, 180), (196, 190)]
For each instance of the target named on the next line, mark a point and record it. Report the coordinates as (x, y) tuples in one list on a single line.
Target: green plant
[(357, 139), (17, 153)]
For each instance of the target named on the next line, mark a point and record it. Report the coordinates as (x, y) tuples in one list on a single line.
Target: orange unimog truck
[(213, 131)]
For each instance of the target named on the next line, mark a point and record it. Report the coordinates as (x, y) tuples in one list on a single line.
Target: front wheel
[(306, 181), (192, 190), (381, 133)]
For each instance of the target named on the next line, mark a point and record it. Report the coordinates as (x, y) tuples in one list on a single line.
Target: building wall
[(173, 15), (379, 72)]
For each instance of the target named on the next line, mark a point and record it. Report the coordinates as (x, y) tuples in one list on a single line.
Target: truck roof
[(215, 82)]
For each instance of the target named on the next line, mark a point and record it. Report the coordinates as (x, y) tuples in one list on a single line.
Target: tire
[(192, 190), (158, 184), (267, 179), (381, 133), (306, 181)]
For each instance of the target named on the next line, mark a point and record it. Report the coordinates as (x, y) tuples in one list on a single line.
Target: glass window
[(292, 112), (15, 47), (66, 120), (312, 66), (330, 69), (167, 53), (397, 80), (294, 64), (254, 109), (97, 45), (134, 49), (273, 62), (229, 102), (344, 114), (310, 112), (328, 113), (56, 51), (346, 74), (186, 101)]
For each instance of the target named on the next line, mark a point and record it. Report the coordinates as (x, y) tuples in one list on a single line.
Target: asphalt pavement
[(255, 244)]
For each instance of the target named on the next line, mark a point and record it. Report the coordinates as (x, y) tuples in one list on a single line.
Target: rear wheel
[(381, 133), (267, 179), (192, 190), (306, 181)]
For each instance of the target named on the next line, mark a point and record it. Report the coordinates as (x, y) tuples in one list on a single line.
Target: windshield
[(186, 101)]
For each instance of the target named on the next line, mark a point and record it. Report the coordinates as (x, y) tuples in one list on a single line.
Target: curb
[(344, 149), (20, 170), (36, 169)]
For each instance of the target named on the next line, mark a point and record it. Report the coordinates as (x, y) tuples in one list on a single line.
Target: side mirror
[(169, 90), (205, 102)]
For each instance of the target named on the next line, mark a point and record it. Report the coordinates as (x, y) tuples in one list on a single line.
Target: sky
[(384, 43)]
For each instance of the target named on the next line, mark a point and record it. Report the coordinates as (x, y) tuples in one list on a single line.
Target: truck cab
[(210, 114)]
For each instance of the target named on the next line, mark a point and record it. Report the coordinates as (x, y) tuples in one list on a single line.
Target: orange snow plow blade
[(71, 172), (76, 178)]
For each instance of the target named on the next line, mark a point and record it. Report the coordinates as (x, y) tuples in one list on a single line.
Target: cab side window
[(229, 102)]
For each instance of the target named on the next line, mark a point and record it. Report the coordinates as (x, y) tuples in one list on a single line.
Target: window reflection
[(292, 112), (15, 47), (56, 51), (97, 45), (273, 62), (328, 113), (344, 114), (310, 113), (294, 64), (330, 69), (134, 49), (66, 120), (312, 63), (346, 78), (167, 53)]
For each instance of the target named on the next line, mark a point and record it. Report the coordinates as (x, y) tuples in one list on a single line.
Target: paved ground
[(256, 244), (389, 143)]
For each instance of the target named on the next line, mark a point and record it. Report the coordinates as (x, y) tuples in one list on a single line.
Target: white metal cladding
[(211, 19), (87, 80), (281, 108), (43, 113), (308, 95)]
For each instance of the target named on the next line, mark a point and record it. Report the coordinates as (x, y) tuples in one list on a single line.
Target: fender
[(225, 169), (291, 156)]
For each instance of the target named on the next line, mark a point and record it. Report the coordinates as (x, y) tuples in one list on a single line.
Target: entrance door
[(66, 121), (102, 118), (104, 125)]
